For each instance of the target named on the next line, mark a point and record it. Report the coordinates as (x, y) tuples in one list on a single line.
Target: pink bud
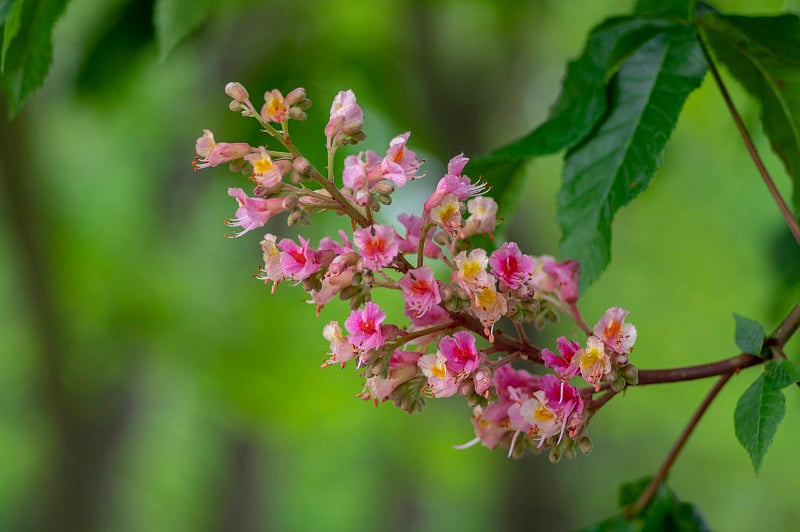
[(296, 96), (236, 90)]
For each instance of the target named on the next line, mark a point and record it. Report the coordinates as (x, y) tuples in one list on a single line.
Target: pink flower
[(341, 348), (566, 275), (447, 214), (331, 285), (470, 273), (272, 270), (617, 335), (441, 382), (511, 266), (328, 244), (253, 212), (400, 164), (420, 290), (364, 326), (211, 153), (489, 306), (454, 183), (460, 353), (346, 118), (402, 368), (410, 244), (593, 362), (562, 365), (266, 172), (377, 244), (275, 108), (298, 262), (483, 219)]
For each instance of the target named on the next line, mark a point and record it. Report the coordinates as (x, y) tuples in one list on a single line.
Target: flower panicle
[(453, 295)]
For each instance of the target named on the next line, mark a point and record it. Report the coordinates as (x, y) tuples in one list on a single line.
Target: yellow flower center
[(439, 371), (591, 358), (487, 297), (543, 414), (263, 165)]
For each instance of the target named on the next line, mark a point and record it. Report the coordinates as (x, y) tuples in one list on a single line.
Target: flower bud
[(569, 453), (585, 445), (384, 200), (383, 188), (297, 114), (236, 90), (619, 384), (554, 455), (466, 389), (631, 374), (301, 164), (296, 96)]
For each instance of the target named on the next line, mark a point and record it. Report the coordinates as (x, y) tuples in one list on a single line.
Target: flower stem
[(576, 315), (791, 221), (647, 496)]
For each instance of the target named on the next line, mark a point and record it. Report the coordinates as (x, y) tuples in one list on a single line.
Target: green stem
[(791, 221)]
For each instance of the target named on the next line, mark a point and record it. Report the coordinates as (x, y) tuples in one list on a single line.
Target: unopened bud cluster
[(446, 343)]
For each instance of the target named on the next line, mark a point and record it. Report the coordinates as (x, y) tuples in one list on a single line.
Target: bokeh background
[(148, 382)]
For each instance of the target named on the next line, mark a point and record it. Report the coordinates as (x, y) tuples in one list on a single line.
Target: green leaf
[(619, 159), (781, 372), (177, 19), (12, 18), (27, 57), (672, 9), (762, 407), (763, 54), (665, 512), (582, 100), (749, 335)]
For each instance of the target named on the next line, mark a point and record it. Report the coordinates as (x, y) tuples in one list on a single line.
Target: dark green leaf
[(749, 335), (177, 19), (582, 100), (763, 53), (618, 160), (12, 18), (781, 372), (672, 9), (761, 409), (29, 54), (665, 512)]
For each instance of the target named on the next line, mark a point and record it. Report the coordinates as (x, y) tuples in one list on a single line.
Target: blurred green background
[(148, 382)]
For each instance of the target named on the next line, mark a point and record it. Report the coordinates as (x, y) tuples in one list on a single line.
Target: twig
[(791, 221), (650, 491)]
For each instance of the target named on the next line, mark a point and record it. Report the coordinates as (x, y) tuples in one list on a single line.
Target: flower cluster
[(453, 294)]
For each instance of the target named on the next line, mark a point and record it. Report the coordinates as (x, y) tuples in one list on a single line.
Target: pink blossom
[(266, 172), (328, 244), (400, 164), (447, 214), (470, 273), (410, 244), (511, 266), (459, 352), (454, 183), (358, 171), (272, 270), (364, 326), (377, 244), (441, 382), (489, 306), (562, 365), (566, 275), (564, 398), (420, 290), (331, 286), (341, 348), (298, 262), (593, 362), (346, 116), (402, 368), (275, 108), (211, 153), (617, 335), (483, 219), (253, 212)]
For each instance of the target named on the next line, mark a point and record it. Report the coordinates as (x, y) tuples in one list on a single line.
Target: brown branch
[(791, 221), (650, 491)]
